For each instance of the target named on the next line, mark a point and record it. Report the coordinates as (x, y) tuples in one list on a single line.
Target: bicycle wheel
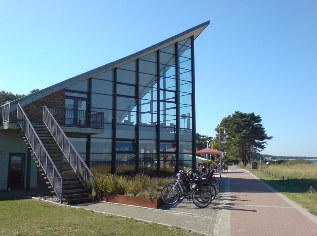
[(213, 191), (216, 184), (202, 196), (170, 194)]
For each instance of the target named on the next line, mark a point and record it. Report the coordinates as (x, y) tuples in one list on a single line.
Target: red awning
[(209, 151)]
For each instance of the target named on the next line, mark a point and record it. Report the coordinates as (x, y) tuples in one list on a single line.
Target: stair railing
[(71, 154), (49, 168), (5, 112)]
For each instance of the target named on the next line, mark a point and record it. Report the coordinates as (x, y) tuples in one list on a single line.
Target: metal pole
[(220, 167)]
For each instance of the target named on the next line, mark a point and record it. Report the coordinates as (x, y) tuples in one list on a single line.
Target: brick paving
[(256, 209), (246, 206)]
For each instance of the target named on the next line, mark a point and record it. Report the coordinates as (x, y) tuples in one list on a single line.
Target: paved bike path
[(186, 215), (251, 207)]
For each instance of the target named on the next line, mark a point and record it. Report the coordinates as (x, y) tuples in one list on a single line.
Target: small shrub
[(140, 185)]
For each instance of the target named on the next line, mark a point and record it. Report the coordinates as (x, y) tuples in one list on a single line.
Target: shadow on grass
[(23, 194)]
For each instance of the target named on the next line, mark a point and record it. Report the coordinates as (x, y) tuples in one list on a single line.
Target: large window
[(148, 110)]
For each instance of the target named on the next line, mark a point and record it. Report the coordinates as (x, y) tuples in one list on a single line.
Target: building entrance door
[(16, 171), (76, 111)]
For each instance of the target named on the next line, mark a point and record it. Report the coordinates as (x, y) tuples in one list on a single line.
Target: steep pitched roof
[(195, 31)]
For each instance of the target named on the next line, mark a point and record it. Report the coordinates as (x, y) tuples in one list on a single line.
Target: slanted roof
[(195, 31)]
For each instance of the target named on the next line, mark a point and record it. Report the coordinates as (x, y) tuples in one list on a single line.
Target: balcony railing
[(8, 113), (78, 118)]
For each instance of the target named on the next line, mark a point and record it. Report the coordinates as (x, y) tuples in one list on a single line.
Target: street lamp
[(208, 144), (221, 157)]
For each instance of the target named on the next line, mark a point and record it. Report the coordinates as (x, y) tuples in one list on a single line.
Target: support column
[(158, 130), (114, 122), (177, 107), (137, 133), (193, 105)]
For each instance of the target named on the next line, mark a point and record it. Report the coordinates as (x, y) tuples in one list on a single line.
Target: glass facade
[(148, 106)]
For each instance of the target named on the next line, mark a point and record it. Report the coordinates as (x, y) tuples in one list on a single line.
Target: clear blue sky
[(256, 56)]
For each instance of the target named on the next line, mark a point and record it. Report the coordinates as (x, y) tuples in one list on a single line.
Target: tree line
[(9, 96), (241, 136)]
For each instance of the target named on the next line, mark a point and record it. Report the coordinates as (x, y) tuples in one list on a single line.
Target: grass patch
[(299, 184), (31, 217)]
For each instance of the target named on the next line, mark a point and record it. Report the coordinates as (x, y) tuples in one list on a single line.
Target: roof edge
[(195, 31)]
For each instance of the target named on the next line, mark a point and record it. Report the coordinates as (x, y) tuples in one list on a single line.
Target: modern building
[(136, 114)]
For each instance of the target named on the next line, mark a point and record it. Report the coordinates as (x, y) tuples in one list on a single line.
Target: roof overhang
[(195, 32)]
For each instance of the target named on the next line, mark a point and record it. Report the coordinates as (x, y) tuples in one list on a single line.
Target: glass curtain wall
[(102, 101), (185, 118), (148, 113), (147, 96), (168, 109), (126, 119)]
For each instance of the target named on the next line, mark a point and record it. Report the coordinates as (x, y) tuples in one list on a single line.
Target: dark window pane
[(125, 131), (166, 60), (168, 162), (167, 132), (126, 163), (100, 157), (147, 146), (147, 131), (129, 66), (102, 86), (102, 167), (105, 76), (79, 144), (125, 76), (151, 57), (147, 80), (148, 162), (170, 49), (83, 86), (168, 147), (101, 101), (186, 134), (126, 90), (126, 103), (147, 67), (125, 146), (101, 145), (184, 43)]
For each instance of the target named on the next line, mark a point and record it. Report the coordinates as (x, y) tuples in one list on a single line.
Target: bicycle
[(187, 185)]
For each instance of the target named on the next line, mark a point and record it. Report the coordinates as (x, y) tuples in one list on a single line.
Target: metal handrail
[(50, 169), (78, 118), (5, 112), (71, 154)]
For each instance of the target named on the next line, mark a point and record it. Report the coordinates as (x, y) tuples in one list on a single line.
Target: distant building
[(136, 114)]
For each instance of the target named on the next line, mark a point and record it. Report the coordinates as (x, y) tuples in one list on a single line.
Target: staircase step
[(75, 195), (78, 200), (75, 191)]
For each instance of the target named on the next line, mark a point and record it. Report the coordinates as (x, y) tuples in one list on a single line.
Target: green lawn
[(32, 217), (296, 183)]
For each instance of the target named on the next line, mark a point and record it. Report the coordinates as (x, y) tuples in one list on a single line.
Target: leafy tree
[(201, 141), (242, 135), (8, 96), (34, 91)]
